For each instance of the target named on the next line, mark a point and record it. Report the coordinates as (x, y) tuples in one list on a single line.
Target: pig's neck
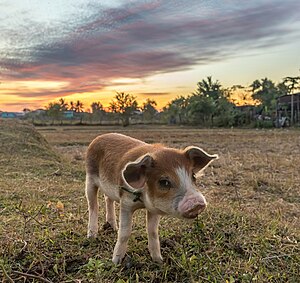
[(137, 195)]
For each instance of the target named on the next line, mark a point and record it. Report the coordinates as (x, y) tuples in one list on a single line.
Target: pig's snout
[(190, 208)]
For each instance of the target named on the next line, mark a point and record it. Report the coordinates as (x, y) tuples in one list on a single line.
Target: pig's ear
[(134, 173), (199, 157)]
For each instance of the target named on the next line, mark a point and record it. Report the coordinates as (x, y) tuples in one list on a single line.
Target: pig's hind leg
[(91, 192)]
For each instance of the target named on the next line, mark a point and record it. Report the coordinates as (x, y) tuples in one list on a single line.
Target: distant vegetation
[(210, 105)]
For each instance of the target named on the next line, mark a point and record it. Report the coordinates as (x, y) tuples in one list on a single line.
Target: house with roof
[(288, 110), (6, 114)]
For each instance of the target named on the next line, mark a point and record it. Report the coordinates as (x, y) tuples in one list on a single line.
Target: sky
[(89, 50)]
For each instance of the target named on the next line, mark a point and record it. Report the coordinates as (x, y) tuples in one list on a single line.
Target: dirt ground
[(257, 169), (249, 232)]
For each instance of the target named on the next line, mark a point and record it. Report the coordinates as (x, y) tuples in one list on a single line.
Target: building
[(288, 110), (69, 114), (11, 114)]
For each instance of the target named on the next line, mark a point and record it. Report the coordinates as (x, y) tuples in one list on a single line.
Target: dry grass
[(249, 233)]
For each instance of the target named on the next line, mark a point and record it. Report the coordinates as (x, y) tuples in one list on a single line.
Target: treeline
[(213, 105), (123, 109), (209, 105)]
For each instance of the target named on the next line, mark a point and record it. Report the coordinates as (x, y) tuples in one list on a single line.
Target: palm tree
[(63, 104), (72, 106), (292, 83), (208, 94), (97, 110), (266, 92), (124, 104), (96, 106), (176, 108), (79, 106), (209, 88), (149, 109)]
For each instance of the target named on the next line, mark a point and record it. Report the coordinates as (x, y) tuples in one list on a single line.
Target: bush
[(264, 124)]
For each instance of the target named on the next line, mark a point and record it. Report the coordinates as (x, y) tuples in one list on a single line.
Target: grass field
[(250, 231)]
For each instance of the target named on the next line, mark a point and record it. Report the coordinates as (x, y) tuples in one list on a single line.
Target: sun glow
[(241, 97), (16, 95)]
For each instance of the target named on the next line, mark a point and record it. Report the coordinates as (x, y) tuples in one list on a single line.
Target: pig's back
[(106, 151)]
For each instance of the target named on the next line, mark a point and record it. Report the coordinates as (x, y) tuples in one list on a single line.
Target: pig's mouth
[(194, 212), (192, 216)]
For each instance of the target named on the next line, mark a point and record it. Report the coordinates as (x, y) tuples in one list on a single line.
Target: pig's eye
[(165, 184)]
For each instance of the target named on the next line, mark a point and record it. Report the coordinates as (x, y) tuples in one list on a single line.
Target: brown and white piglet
[(140, 175)]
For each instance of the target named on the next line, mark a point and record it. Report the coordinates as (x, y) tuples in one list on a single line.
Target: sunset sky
[(89, 50)]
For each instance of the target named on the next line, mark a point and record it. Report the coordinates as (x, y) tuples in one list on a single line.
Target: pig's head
[(167, 180)]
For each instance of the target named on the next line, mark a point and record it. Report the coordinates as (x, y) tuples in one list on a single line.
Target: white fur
[(191, 194), (108, 188), (185, 179)]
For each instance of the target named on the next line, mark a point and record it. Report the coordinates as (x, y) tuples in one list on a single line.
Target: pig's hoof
[(92, 234), (158, 259), (110, 227), (117, 259), (113, 225)]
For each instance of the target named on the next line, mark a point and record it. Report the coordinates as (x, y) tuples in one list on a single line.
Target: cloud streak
[(101, 43)]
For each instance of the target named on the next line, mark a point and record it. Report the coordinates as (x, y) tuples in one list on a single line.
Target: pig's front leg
[(110, 213), (153, 238), (125, 228)]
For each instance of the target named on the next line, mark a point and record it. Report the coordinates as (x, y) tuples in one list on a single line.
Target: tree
[(78, 106), (72, 106), (149, 109), (208, 101), (224, 112), (282, 89), (54, 110), (96, 107), (209, 88), (63, 104), (200, 109), (97, 110), (292, 83), (124, 104), (266, 92), (176, 110)]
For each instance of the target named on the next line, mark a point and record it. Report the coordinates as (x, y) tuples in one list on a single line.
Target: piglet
[(140, 175)]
